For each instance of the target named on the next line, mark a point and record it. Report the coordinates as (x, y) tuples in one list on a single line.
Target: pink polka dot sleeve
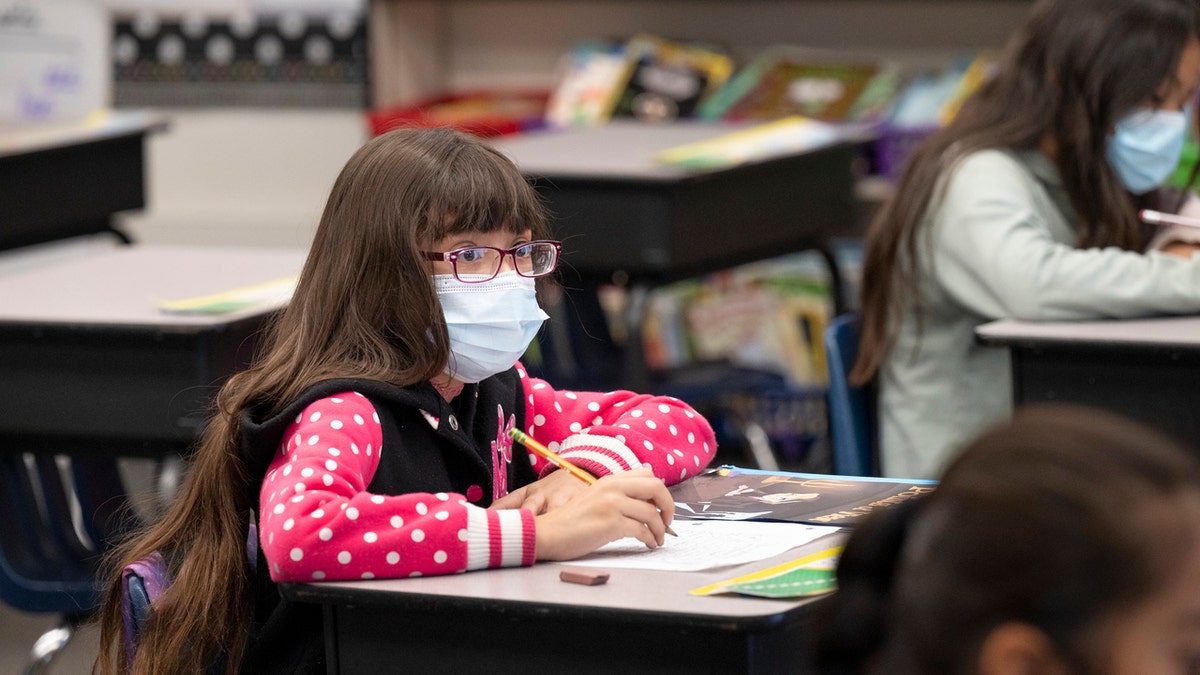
[(317, 521), (616, 431)]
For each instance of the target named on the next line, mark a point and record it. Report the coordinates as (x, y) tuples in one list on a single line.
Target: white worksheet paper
[(706, 544)]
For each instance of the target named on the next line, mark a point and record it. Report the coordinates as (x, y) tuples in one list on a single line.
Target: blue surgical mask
[(1146, 146), (490, 323)]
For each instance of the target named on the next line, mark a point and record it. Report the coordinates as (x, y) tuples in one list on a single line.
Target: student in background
[(1026, 207), (1064, 541), (369, 439)]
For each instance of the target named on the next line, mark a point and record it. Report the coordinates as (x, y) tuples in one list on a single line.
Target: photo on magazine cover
[(732, 493)]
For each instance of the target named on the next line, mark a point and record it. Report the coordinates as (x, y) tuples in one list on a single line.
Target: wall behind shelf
[(422, 47), (242, 176)]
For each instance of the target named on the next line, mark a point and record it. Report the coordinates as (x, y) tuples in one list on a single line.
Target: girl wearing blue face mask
[(370, 437), (1025, 207)]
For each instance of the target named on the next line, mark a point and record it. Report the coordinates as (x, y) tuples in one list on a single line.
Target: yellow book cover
[(809, 575), (276, 292), (787, 136)]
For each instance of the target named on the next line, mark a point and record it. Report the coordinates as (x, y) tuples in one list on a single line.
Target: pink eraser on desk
[(583, 575)]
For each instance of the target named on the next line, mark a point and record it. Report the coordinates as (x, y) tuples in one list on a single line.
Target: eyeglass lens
[(531, 260)]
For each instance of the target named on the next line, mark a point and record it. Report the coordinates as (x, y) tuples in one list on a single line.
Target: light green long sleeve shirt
[(1001, 246)]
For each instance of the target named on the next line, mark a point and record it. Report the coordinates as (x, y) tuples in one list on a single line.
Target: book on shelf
[(666, 80), (787, 80), (734, 493), (767, 315), (933, 97), (586, 82)]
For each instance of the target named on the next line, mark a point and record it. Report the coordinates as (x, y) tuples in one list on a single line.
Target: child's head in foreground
[(1062, 541)]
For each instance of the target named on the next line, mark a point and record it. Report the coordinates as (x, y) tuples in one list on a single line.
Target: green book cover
[(810, 575)]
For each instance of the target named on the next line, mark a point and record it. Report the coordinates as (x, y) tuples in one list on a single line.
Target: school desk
[(67, 178), (624, 217), (88, 363), (617, 210), (1148, 369), (524, 621)]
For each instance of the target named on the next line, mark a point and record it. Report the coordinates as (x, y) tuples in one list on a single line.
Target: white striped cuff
[(512, 537), (478, 540), (602, 451), (496, 538)]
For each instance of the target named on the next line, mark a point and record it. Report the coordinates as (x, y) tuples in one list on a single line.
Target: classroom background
[(265, 100)]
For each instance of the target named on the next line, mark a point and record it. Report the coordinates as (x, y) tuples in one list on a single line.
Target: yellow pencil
[(553, 457)]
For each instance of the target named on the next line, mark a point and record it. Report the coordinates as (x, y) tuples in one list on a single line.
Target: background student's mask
[(490, 323), (1145, 147)]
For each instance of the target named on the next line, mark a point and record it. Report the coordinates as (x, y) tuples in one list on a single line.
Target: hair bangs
[(481, 191)]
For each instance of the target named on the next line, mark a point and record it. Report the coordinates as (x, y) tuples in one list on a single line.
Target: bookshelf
[(424, 47)]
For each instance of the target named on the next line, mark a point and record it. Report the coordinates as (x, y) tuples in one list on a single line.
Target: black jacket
[(287, 636)]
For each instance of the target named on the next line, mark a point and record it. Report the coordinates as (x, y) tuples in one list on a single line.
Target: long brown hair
[(364, 306), (1068, 74), (1060, 518)]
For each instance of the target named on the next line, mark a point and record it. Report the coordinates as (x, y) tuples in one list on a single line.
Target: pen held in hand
[(553, 457), (1160, 218)]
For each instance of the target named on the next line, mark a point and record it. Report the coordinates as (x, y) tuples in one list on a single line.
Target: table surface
[(92, 283), (24, 138), (616, 150), (627, 590), (1171, 331)]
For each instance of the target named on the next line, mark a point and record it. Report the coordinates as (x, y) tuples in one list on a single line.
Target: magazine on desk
[(733, 493)]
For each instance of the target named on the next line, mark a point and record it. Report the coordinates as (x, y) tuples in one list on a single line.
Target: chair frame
[(49, 560), (852, 412)]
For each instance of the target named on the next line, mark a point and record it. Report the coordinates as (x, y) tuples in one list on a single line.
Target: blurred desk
[(524, 620), (88, 363), (625, 218), (63, 179), (1147, 369), (617, 210)]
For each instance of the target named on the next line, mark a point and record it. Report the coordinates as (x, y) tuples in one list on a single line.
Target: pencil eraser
[(583, 575)]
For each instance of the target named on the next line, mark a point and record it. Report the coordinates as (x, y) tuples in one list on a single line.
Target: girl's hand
[(551, 492), (631, 504), (1181, 249)]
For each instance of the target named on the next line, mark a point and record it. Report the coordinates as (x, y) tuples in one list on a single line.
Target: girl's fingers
[(632, 504), (644, 522), (511, 500), (535, 503), (649, 488)]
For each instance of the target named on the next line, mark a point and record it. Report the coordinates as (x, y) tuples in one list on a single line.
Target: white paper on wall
[(53, 59)]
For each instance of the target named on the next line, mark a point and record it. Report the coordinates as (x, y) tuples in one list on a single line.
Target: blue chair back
[(46, 563), (851, 409), (43, 567)]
